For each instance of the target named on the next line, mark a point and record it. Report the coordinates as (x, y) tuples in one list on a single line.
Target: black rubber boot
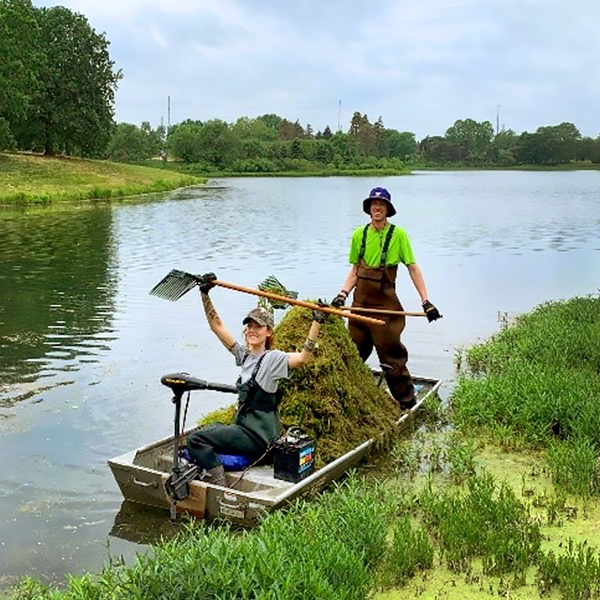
[(407, 405), (216, 475)]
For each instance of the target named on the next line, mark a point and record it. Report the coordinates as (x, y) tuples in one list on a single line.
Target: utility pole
[(340, 116), (498, 120), (164, 153)]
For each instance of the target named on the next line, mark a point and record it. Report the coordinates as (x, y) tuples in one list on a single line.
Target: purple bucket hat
[(379, 193)]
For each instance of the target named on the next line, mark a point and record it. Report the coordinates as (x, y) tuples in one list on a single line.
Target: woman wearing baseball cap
[(257, 423)]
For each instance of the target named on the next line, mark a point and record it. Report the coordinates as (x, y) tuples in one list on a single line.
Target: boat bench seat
[(231, 462)]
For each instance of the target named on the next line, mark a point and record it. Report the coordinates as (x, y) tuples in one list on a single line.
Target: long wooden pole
[(383, 311), (312, 305)]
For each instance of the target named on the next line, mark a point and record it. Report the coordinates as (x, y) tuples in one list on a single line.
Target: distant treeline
[(270, 143), (266, 144), (57, 85)]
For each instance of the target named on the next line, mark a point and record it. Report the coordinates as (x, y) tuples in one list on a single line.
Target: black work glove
[(339, 300), (207, 282), (433, 314), (318, 315)]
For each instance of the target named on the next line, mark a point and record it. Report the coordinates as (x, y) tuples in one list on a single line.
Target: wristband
[(309, 345)]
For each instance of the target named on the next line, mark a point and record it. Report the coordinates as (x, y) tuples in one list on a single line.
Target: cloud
[(420, 66)]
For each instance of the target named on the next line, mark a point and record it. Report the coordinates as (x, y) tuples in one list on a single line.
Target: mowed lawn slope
[(35, 179)]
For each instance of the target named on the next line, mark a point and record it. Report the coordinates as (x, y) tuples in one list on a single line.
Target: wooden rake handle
[(311, 305), (382, 311)]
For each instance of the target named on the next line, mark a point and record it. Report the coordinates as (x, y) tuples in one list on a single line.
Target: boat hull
[(141, 475)]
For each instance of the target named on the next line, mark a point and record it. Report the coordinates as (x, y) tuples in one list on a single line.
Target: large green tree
[(73, 109), (561, 140), (184, 142), (552, 144), (364, 135), (400, 144), (474, 139), (19, 63), (218, 145), (505, 148), (256, 129), (131, 143)]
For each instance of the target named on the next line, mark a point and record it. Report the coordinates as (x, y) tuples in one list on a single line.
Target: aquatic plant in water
[(539, 380)]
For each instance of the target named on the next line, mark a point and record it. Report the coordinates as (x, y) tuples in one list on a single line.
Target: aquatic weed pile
[(334, 398)]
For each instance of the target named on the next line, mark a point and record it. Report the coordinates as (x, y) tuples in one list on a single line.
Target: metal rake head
[(274, 286), (174, 285)]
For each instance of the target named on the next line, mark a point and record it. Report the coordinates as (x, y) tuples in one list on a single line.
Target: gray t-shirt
[(273, 367)]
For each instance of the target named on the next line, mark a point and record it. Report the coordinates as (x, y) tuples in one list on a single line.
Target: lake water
[(83, 344)]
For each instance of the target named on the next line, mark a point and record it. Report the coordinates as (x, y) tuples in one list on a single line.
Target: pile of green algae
[(335, 398)]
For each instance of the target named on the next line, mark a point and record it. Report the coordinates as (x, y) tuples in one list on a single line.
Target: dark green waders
[(256, 427)]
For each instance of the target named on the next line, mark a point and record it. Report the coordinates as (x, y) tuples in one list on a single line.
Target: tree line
[(270, 143), (57, 86)]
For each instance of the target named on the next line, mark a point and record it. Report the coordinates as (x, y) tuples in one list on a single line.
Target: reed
[(487, 521), (406, 457), (460, 456), (575, 573), (539, 381), (574, 466), (329, 548), (410, 551)]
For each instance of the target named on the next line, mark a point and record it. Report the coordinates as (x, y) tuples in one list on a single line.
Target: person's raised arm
[(299, 359), (213, 319)]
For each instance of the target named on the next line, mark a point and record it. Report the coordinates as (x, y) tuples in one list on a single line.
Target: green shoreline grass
[(477, 512), (201, 170), (29, 179)]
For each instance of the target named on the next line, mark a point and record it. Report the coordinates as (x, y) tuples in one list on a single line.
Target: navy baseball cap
[(379, 193)]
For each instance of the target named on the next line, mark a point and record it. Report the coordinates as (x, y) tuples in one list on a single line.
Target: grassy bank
[(27, 179), (310, 170), (493, 496)]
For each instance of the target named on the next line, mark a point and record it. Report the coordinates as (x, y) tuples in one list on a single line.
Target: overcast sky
[(420, 65)]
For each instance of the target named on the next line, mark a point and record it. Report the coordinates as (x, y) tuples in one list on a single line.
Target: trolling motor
[(178, 483)]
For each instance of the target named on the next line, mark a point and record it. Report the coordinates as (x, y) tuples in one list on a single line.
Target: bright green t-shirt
[(399, 250)]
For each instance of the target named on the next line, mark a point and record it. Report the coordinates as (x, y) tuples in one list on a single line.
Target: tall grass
[(330, 548), (576, 573), (539, 380), (487, 521), (355, 539), (410, 551)]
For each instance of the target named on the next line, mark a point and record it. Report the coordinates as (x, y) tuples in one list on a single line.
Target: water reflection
[(56, 299), (144, 525)]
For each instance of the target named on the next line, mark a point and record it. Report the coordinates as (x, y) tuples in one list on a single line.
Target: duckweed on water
[(334, 398), (540, 380)]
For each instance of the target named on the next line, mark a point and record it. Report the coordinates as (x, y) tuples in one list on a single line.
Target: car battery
[(294, 456)]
